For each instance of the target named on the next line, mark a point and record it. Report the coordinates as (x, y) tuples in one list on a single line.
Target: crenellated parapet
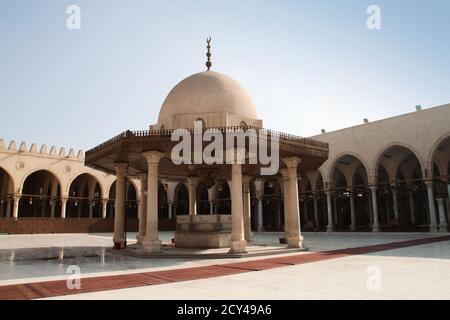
[(40, 151), (20, 160)]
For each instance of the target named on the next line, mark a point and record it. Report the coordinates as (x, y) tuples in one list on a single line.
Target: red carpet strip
[(59, 287)]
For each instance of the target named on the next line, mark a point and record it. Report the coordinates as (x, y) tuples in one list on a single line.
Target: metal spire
[(208, 53)]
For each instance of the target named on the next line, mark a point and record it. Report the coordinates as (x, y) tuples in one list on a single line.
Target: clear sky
[(307, 64)]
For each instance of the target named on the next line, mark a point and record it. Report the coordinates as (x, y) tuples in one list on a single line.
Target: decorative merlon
[(71, 154), (53, 151), (23, 147), (33, 148), (43, 150), (12, 147)]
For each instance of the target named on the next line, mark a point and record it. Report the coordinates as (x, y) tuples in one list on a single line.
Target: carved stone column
[(119, 215), (375, 225), (238, 243), (246, 207), (151, 242), (292, 218), (192, 189), (432, 208), (330, 226), (143, 208)]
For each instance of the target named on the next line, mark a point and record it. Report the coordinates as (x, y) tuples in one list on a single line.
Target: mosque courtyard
[(336, 266)]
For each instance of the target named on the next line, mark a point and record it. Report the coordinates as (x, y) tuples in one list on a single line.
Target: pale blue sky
[(307, 64)]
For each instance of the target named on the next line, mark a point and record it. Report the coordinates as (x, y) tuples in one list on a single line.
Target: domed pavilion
[(214, 103)]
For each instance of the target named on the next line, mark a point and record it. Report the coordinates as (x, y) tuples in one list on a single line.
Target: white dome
[(206, 93)]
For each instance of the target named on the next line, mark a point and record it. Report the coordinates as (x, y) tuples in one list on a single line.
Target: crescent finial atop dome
[(208, 53)]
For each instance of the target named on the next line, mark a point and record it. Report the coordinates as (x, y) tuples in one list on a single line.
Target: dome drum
[(213, 97), (210, 120)]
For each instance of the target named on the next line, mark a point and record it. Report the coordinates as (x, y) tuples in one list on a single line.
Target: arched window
[(84, 197), (181, 204), (40, 195)]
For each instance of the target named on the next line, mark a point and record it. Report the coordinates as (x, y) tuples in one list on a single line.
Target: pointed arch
[(7, 183), (62, 187), (41, 194), (439, 155), (181, 199), (435, 145), (391, 146), (340, 157), (202, 198), (223, 198)]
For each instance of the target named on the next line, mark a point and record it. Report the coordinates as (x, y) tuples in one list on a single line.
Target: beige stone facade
[(391, 174), (394, 171), (37, 182)]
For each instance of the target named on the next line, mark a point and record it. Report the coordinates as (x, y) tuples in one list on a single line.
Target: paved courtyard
[(408, 272)]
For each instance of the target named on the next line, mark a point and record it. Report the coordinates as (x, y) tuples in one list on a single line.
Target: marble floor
[(400, 277), (26, 258)]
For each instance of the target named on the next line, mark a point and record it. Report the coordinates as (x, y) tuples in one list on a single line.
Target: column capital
[(259, 187), (373, 188), (259, 184), (211, 191), (393, 184), (246, 184), (372, 179), (121, 166), (429, 183), (192, 180), (292, 162), (153, 156)]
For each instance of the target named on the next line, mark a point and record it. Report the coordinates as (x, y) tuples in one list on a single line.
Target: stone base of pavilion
[(203, 231), (170, 251)]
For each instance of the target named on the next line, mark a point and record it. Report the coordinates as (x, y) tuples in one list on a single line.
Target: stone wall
[(68, 225)]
